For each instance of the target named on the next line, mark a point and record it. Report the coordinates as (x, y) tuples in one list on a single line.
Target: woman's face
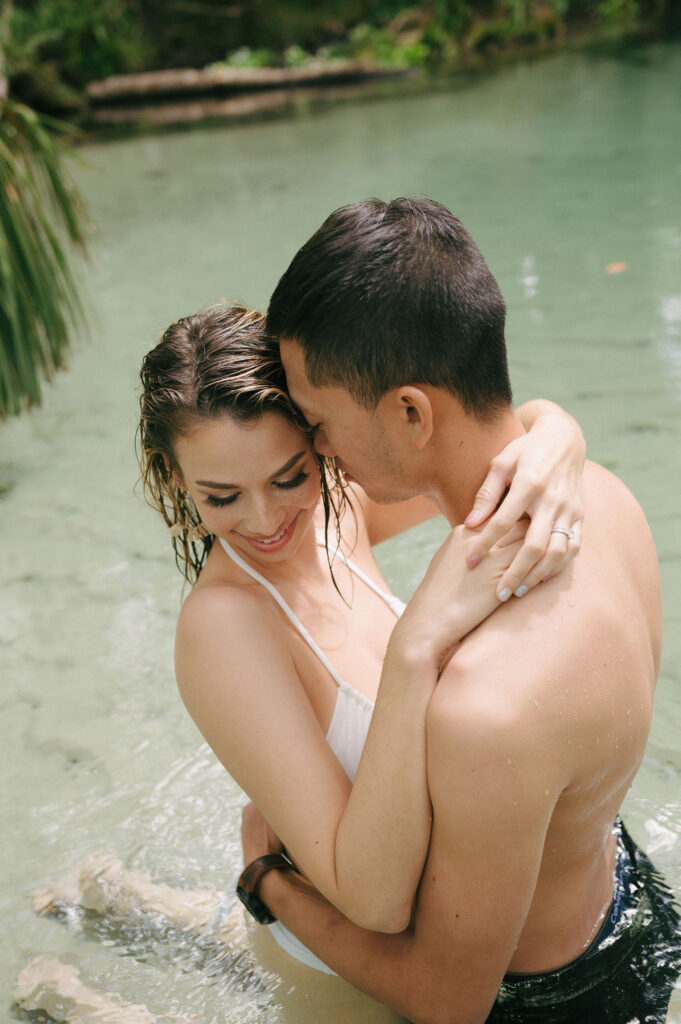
[(255, 484)]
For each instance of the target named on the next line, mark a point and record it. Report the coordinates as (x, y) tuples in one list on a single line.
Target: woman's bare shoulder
[(225, 612)]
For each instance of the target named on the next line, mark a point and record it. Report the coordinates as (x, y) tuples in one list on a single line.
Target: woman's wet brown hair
[(214, 363)]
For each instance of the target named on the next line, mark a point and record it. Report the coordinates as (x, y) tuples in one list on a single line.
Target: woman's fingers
[(560, 552), (522, 574), (491, 492), (529, 555), (544, 554), (517, 532), (510, 512)]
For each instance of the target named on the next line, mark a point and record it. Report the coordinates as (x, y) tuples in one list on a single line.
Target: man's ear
[(415, 411)]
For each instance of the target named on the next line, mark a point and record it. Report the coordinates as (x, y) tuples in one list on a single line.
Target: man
[(533, 905)]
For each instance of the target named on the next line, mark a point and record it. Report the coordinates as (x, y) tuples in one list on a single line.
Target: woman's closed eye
[(215, 502), (296, 481), (283, 485)]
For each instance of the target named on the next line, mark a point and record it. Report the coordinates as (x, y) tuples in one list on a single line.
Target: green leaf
[(42, 219)]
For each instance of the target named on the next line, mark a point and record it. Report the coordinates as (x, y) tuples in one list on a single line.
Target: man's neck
[(464, 450)]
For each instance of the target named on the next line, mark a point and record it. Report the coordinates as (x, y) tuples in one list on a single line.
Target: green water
[(558, 168)]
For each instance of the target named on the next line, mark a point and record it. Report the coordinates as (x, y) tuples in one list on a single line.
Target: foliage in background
[(60, 45), (56, 46), (40, 214)]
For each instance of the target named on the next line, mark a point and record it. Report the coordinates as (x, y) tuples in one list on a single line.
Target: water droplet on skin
[(546, 792), (510, 761)]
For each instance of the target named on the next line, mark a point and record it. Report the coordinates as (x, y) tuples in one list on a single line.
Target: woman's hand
[(257, 838), (543, 474), (450, 601)]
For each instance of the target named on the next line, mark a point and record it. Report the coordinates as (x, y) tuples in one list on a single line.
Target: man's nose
[(322, 446)]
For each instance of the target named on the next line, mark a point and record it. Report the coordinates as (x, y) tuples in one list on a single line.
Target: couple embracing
[(435, 790)]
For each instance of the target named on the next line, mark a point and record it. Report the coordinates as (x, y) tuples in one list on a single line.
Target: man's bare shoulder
[(493, 695), (544, 671), (619, 563), (605, 494)]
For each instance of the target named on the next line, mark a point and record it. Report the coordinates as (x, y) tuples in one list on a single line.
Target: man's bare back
[(546, 710)]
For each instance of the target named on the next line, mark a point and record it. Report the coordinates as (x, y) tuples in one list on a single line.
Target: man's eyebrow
[(305, 413), (300, 407), (232, 487)]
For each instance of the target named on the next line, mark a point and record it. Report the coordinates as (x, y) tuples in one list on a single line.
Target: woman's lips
[(276, 542)]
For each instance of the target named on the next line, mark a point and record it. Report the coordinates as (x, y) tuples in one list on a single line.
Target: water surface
[(559, 168)]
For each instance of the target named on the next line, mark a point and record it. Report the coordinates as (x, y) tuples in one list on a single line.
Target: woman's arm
[(542, 473), (362, 846), (538, 476)]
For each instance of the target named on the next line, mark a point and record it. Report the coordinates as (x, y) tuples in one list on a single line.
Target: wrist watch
[(247, 886)]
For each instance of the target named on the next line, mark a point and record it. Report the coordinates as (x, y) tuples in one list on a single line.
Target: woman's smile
[(276, 541)]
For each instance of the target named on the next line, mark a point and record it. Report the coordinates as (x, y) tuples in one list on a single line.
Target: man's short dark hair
[(387, 294)]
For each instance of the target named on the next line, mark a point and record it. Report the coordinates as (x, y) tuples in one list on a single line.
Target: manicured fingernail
[(472, 517), (521, 590), (547, 578), (505, 594), (472, 561)]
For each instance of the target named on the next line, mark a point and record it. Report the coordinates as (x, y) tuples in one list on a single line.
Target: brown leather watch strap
[(250, 879), (253, 872)]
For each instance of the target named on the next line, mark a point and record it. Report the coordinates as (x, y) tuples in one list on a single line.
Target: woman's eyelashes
[(297, 480), (216, 502), (285, 485)]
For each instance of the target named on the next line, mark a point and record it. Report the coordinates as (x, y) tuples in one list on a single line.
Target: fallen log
[(245, 105), (183, 81)]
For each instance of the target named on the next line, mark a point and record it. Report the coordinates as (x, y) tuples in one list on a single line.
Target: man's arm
[(492, 804)]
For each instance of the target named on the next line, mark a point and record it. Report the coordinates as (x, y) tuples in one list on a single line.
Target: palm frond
[(42, 219)]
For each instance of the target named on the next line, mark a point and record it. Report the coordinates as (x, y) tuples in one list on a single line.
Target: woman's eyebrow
[(232, 487), (289, 465)]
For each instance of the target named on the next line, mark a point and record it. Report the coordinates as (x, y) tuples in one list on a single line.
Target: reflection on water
[(560, 168)]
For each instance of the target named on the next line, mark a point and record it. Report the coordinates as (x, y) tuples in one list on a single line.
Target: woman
[(289, 708)]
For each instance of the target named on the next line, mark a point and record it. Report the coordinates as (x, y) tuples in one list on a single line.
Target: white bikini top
[(352, 712)]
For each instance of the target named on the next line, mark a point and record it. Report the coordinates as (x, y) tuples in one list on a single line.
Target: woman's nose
[(264, 519)]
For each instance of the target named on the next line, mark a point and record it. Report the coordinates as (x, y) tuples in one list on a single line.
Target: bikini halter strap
[(285, 607)]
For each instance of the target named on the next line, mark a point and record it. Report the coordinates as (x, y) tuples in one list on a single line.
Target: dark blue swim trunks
[(627, 974)]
